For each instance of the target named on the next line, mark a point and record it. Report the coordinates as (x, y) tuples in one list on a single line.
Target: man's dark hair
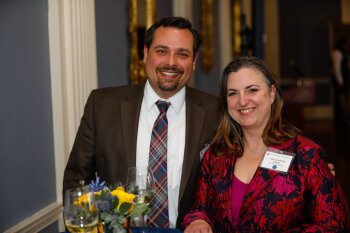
[(175, 22)]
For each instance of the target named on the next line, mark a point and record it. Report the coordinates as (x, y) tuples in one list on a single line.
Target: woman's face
[(249, 98)]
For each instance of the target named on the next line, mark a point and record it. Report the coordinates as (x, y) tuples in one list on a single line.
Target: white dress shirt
[(176, 115)]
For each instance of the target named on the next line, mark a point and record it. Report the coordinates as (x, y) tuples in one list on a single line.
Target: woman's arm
[(327, 206), (198, 226)]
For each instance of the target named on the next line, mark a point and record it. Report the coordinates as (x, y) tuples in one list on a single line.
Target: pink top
[(238, 191)]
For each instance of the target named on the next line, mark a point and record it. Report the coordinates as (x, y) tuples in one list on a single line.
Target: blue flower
[(103, 205), (97, 186)]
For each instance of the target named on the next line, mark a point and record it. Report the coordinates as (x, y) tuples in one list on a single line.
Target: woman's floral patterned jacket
[(306, 199)]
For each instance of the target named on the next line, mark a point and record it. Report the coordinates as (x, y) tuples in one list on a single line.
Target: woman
[(340, 80), (245, 187)]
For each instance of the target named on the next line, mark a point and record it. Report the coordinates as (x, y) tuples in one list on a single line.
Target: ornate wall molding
[(236, 27), (137, 71), (207, 34), (183, 8), (225, 35), (79, 63), (73, 65), (39, 220)]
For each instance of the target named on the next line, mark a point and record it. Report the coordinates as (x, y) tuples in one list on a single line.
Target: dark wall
[(164, 8), (112, 41), (304, 41), (27, 154)]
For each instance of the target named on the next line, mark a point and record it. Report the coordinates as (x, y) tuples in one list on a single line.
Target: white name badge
[(277, 160), (202, 152)]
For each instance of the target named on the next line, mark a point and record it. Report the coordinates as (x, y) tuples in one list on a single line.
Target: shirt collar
[(151, 97)]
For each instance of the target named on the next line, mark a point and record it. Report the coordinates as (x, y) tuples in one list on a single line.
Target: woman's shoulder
[(303, 147), (299, 141), (306, 143), (209, 153), (309, 150)]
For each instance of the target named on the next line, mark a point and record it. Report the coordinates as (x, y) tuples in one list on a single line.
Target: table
[(150, 230), (154, 230)]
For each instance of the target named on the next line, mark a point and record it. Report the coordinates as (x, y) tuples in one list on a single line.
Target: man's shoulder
[(196, 91), (196, 94), (118, 90)]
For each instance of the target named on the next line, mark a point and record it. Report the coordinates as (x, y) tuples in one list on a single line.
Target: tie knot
[(162, 105)]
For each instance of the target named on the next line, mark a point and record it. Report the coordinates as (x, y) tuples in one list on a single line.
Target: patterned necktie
[(159, 216)]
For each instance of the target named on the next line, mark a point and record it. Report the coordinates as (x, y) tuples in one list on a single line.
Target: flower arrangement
[(115, 206)]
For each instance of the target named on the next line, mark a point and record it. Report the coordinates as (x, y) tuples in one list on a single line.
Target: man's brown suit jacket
[(105, 143)]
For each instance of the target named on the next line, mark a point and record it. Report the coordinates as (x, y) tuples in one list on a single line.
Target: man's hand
[(198, 226), (331, 168)]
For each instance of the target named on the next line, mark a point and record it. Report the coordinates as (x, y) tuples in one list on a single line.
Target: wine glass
[(80, 212), (140, 182)]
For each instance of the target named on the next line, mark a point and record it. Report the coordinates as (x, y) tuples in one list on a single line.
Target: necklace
[(258, 151)]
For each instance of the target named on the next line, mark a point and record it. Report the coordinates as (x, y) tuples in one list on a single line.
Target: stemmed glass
[(80, 212), (140, 182)]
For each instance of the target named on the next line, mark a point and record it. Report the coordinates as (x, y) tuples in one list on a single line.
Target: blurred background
[(54, 52)]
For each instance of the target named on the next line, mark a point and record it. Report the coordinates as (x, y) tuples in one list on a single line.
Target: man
[(115, 130)]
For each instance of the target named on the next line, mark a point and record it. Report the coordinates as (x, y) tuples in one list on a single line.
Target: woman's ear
[(273, 93)]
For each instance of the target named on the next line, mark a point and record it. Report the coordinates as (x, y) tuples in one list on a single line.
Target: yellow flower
[(84, 199), (123, 196)]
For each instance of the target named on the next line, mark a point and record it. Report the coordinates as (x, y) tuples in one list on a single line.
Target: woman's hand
[(331, 168), (198, 226)]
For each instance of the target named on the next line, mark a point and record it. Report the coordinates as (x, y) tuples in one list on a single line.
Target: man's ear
[(194, 62), (145, 53)]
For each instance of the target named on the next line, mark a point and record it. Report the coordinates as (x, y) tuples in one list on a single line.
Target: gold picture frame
[(236, 27), (137, 10), (207, 34)]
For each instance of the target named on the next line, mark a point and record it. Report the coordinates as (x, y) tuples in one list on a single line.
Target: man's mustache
[(174, 69)]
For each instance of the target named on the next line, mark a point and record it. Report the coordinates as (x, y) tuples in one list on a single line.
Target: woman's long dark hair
[(229, 134)]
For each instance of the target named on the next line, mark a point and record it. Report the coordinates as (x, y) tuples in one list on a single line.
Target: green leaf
[(149, 194), (121, 219), (97, 196), (124, 207), (119, 229), (138, 210), (147, 211), (103, 194), (107, 217), (115, 223), (115, 203), (82, 182), (116, 185), (133, 189)]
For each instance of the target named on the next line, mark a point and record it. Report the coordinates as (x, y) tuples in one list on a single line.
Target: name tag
[(202, 152), (277, 160)]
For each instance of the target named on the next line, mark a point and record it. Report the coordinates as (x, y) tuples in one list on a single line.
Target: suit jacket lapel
[(195, 115), (130, 112)]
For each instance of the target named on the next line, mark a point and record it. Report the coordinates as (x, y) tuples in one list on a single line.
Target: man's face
[(169, 60)]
